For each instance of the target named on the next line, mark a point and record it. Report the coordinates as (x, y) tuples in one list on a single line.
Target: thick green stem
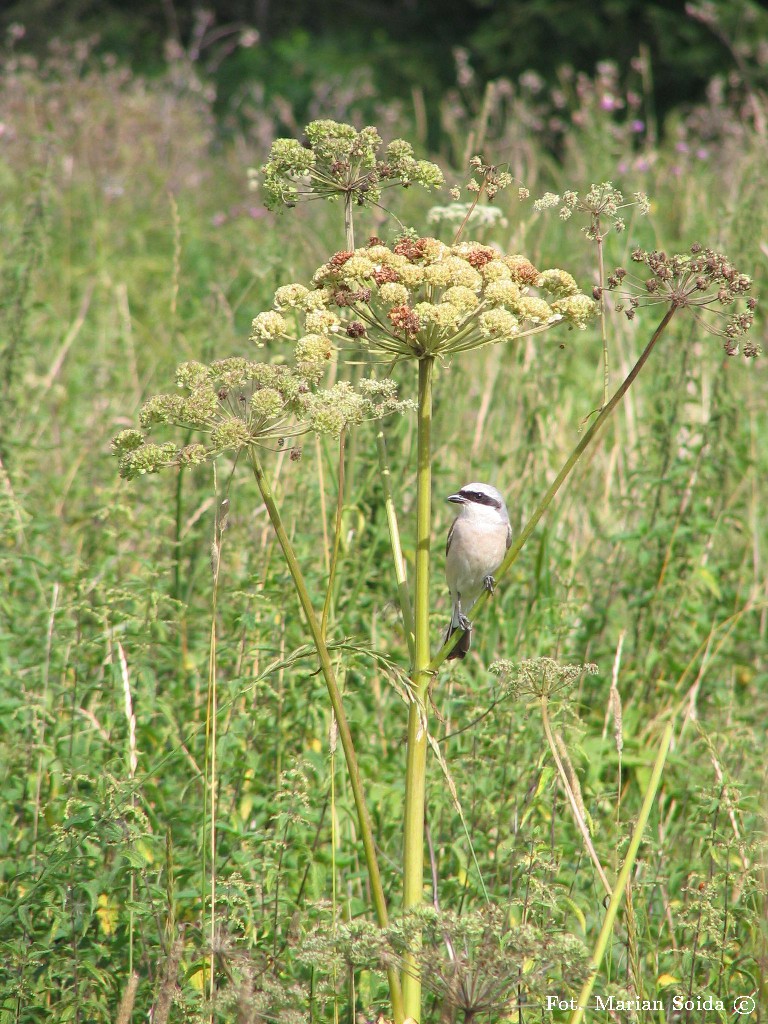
[(416, 770), (364, 820), (519, 542), (621, 882)]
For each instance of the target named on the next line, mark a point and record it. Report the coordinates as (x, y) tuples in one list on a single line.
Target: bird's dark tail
[(462, 646)]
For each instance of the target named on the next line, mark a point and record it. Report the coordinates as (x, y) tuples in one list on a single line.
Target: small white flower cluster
[(479, 216)]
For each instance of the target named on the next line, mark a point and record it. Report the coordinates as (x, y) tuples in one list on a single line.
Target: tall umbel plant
[(406, 304)]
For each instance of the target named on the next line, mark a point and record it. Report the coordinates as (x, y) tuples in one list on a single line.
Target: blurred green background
[(401, 47)]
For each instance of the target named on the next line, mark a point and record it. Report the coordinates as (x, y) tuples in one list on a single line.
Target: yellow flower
[(495, 270), (463, 298), (411, 275), (538, 311), (502, 293), (498, 323), (393, 294), (267, 326)]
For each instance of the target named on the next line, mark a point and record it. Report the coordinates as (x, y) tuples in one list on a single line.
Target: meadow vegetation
[(179, 830)]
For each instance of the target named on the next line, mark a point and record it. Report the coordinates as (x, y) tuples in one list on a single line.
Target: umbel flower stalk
[(421, 300), (417, 300), (345, 734), (242, 406)]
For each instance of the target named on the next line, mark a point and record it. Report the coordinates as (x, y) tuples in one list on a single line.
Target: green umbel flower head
[(338, 161), (238, 403)]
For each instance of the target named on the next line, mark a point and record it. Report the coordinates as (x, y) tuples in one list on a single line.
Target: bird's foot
[(489, 583), (464, 622)]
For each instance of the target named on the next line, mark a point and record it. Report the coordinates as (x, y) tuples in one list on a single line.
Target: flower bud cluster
[(702, 280), (332, 410), (602, 204), (539, 677), (339, 160), (486, 179), (239, 402)]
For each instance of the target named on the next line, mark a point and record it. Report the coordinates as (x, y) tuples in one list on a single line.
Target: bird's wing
[(450, 535), (509, 535)]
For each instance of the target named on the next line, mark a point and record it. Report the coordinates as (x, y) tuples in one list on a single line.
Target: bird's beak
[(458, 498)]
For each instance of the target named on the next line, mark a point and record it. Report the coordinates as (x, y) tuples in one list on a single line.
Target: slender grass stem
[(323, 511), (603, 325), (211, 738), (178, 522), (403, 593), (623, 877), (415, 784), (471, 210), (336, 538), (212, 713), (132, 765), (334, 692), (575, 810), (517, 545), (40, 722), (349, 227)]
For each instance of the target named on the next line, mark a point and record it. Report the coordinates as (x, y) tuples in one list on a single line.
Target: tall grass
[(133, 243)]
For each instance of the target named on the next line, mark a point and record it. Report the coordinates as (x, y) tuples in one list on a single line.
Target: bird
[(477, 542)]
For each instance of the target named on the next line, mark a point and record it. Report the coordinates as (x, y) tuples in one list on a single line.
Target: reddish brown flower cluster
[(385, 274), (480, 255), (404, 319), (523, 271), (412, 249), (339, 168), (347, 297), (697, 272), (340, 258)]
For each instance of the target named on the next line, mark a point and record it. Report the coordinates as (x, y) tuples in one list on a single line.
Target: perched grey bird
[(477, 543)]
